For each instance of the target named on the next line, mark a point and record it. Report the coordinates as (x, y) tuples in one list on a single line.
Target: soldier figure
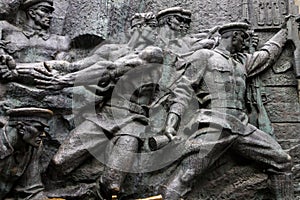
[(218, 78), (173, 23), (174, 38), (75, 148), (20, 148), (34, 42), (173, 32)]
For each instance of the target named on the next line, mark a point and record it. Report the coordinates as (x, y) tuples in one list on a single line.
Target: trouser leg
[(211, 146), (263, 148), (121, 155), (75, 149), (282, 186)]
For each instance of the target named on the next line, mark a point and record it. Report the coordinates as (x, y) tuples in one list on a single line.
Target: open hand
[(54, 81)]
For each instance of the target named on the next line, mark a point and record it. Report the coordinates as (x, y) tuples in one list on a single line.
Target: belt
[(132, 107)]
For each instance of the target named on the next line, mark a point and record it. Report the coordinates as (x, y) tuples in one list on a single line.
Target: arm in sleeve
[(5, 26), (267, 55), (184, 91)]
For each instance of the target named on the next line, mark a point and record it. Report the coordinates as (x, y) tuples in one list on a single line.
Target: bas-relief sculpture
[(223, 73), (30, 41), (161, 65), (21, 143), (33, 42)]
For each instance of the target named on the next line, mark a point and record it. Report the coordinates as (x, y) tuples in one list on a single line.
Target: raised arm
[(267, 55)]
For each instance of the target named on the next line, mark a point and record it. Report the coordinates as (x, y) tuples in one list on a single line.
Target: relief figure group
[(161, 66)]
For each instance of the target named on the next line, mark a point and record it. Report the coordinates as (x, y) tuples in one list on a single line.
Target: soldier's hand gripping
[(171, 126), (7, 67)]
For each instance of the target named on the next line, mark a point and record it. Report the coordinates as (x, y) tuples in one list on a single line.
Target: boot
[(106, 190), (282, 186), (120, 159), (178, 185)]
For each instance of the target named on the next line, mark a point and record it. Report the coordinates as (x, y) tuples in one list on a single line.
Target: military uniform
[(119, 113), (19, 164), (12, 164), (124, 111), (28, 45), (33, 44), (217, 79)]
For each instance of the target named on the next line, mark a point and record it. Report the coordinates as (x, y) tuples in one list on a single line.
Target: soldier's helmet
[(30, 114), (235, 26), (183, 14), (28, 3), (143, 19)]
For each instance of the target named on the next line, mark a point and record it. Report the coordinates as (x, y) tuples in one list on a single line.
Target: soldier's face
[(42, 16), (33, 134), (149, 34), (238, 40), (178, 24)]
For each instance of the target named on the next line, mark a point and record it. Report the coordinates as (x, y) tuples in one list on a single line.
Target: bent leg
[(74, 150), (261, 147), (121, 155), (211, 146)]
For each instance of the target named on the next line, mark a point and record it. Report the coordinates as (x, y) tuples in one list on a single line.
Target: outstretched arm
[(99, 73), (267, 55), (92, 75)]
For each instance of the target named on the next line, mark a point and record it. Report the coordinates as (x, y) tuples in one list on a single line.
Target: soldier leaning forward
[(20, 148)]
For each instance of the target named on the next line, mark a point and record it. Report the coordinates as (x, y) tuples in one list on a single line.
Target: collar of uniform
[(227, 54), (224, 53), (30, 32)]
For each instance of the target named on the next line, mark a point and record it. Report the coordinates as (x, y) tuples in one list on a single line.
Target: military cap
[(28, 3), (174, 11), (235, 26), (140, 19), (30, 114)]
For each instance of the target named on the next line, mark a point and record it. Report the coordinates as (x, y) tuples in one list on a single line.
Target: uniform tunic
[(28, 46), (18, 169), (217, 79)]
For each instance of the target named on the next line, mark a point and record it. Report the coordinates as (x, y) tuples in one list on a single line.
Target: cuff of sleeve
[(272, 48)]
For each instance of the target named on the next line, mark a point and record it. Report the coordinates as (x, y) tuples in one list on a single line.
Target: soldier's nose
[(43, 134)]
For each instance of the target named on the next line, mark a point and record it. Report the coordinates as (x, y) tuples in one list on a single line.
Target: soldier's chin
[(237, 47), (45, 25), (36, 143)]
